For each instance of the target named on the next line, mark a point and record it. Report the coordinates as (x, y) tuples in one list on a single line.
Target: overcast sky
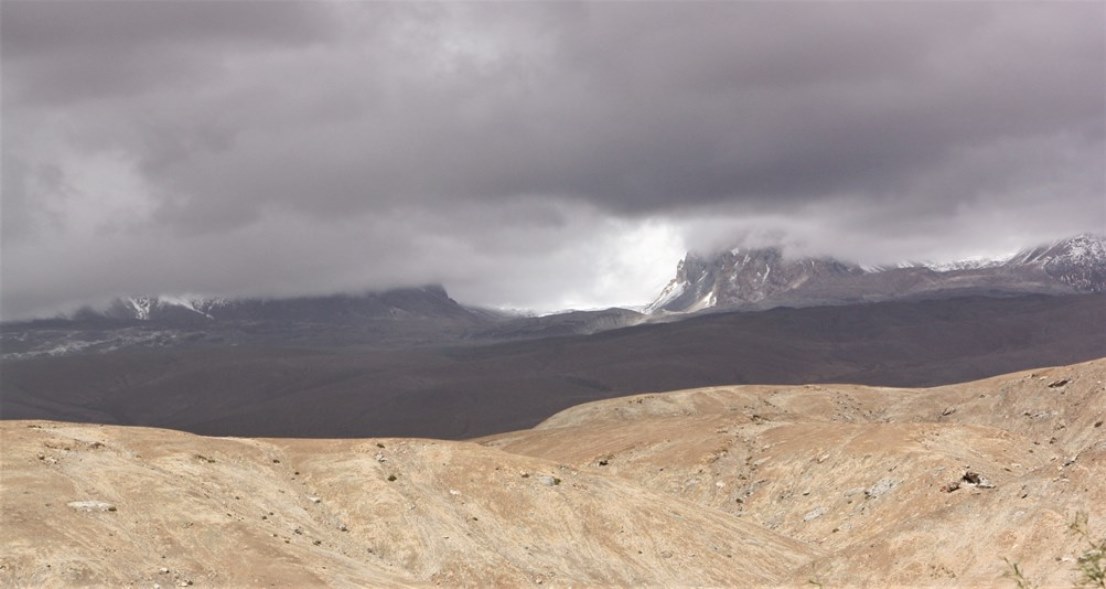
[(529, 155)]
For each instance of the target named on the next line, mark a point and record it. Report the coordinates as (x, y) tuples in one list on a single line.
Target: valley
[(473, 389), (744, 486)]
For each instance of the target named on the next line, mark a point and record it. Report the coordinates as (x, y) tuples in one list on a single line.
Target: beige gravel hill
[(866, 474), (725, 486), (236, 512)]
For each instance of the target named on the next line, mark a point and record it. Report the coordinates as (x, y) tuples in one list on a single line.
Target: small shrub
[(392, 478), (1015, 574), (1092, 563)]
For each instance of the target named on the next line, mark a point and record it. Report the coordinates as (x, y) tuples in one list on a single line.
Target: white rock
[(814, 514), (91, 505)]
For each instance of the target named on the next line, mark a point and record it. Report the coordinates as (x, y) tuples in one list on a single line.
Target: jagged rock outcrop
[(767, 277)]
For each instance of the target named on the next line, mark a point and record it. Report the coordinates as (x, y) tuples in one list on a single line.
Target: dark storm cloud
[(66, 51), (208, 120)]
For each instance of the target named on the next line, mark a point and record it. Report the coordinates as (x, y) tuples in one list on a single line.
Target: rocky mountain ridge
[(424, 301), (765, 277)]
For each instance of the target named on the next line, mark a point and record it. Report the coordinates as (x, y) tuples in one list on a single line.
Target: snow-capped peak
[(758, 278), (143, 308), (1082, 249), (673, 290)]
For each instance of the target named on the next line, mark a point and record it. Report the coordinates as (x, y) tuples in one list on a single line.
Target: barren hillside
[(725, 486)]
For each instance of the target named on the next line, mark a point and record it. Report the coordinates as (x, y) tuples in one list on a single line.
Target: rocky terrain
[(837, 485), (754, 279)]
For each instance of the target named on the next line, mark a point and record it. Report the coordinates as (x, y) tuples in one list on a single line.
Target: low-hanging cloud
[(248, 148)]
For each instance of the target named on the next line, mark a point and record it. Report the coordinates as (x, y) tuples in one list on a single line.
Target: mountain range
[(735, 279), (732, 280), (755, 279)]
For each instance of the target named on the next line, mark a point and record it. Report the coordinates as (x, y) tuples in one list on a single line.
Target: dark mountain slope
[(456, 392)]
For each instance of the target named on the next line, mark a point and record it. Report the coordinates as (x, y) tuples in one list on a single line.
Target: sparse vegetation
[(1015, 574), (814, 578), (392, 478), (1092, 563)]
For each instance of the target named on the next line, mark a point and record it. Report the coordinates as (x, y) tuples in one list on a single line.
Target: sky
[(529, 155)]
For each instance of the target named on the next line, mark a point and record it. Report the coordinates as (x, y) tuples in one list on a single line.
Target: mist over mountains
[(762, 278), (415, 362), (737, 280), (751, 278)]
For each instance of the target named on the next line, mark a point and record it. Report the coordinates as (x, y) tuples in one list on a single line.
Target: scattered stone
[(882, 487), (948, 411), (549, 480), (1058, 384), (91, 506), (454, 492), (163, 570), (814, 514), (381, 458), (314, 499), (970, 478), (342, 528)]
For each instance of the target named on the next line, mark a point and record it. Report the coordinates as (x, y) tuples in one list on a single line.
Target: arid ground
[(838, 485)]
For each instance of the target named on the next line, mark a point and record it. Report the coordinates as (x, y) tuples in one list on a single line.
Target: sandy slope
[(725, 486), (222, 512), (859, 472)]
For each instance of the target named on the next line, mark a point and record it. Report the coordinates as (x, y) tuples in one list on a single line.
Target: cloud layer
[(531, 155)]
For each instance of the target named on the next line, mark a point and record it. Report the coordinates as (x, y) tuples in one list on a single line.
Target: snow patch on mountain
[(761, 278), (671, 292)]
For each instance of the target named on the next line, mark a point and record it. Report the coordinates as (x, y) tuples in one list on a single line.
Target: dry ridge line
[(725, 486)]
